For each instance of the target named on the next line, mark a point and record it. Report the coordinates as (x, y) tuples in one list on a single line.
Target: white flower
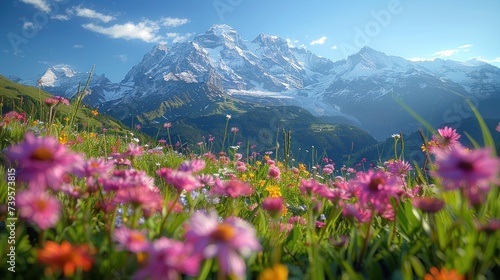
[(228, 117), (136, 139), (396, 136)]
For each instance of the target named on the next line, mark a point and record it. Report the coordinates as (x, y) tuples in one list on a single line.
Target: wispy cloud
[(61, 17), (415, 59), (446, 53), (334, 47), (468, 46), (178, 38), (78, 46), (28, 25), (496, 60), (92, 14), (292, 43), (320, 41), (144, 30), (173, 22), (41, 5), (121, 57)]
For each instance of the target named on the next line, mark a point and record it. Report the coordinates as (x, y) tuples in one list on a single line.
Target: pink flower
[(121, 179), (181, 180), (228, 241), (14, 116), (355, 211), (376, 188), (56, 100), (398, 167), (428, 204), (43, 161), (134, 150), (498, 127), (167, 125), (459, 167), (232, 188), (132, 240), (448, 137), (149, 200), (310, 186), (39, 207), (274, 172), (273, 205), (167, 259), (196, 165)]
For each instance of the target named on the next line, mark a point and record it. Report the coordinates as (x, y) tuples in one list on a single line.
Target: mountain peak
[(219, 34)]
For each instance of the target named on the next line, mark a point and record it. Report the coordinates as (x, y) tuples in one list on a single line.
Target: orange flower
[(277, 272), (64, 257), (443, 274), (95, 113)]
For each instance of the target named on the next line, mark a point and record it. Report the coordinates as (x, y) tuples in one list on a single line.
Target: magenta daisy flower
[(192, 166), (273, 205), (233, 188), (229, 241), (375, 189), (274, 172), (448, 137), (181, 180), (460, 167), (43, 161), (149, 200), (132, 240), (168, 259), (39, 207)]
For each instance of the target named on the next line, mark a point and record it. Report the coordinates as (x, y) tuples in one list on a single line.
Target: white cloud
[(446, 53), (78, 46), (42, 5), (60, 17), (28, 25), (334, 47), (144, 30), (178, 38), (173, 22), (121, 57), (291, 43), (496, 60), (88, 13), (468, 46), (320, 41)]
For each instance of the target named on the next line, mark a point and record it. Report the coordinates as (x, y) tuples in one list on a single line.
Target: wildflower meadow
[(80, 202)]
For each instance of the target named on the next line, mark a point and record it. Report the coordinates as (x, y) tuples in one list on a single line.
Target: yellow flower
[(274, 191), (266, 157), (63, 139), (279, 164), (66, 119), (92, 135), (284, 211), (251, 175), (95, 113), (277, 272), (36, 122), (243, 177), (262, 183), (258, 162), (302, 167)]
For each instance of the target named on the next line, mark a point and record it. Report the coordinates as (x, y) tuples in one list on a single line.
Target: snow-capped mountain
[(186, 78)]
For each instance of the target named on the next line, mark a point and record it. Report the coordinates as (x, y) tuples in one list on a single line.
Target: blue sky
[(115, 35)]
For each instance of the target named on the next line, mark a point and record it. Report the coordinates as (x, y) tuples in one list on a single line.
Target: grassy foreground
[(91, 202)]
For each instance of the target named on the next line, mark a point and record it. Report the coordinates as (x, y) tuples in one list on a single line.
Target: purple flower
[(132, 240), (232, 188), (228, 241), (43, 161), (167, 259), (181, 180), (39, 207), (460, 167)]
